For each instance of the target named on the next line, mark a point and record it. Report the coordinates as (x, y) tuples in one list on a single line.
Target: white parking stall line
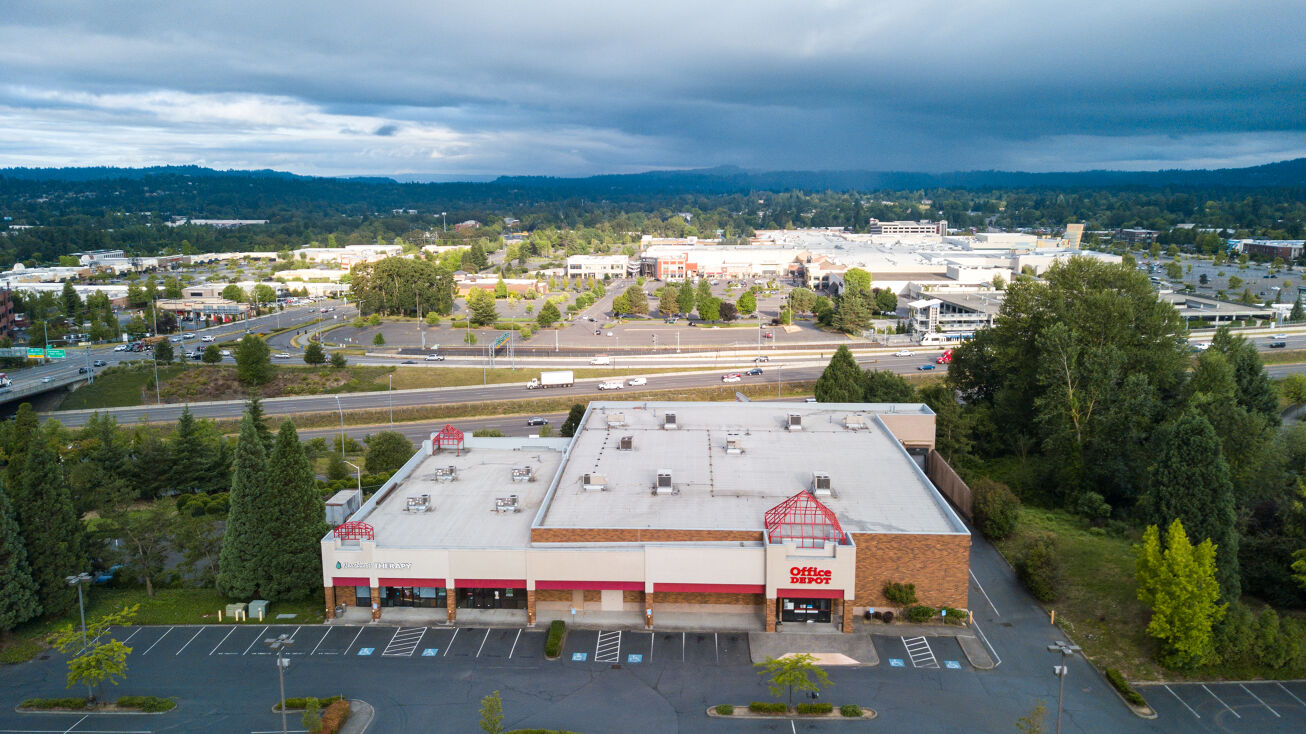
[(514, 644), (151, 647), (254, 641), (404, 642), (351, 642), (482, 646), (997, 660), (650, 647), (74, 726), (716, 647), (608, 647), (1285, 690), (319, 642), (451, 639), (1258, 700), (1222, 703), (1185, 703), (192, 639), (224, 639), (918, 649), (682, 647), (133, 634), (986, 595)]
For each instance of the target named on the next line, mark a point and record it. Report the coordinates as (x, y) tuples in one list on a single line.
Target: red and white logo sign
[(808, 575)]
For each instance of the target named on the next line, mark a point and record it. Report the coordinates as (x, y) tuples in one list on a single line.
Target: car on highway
[(609, 333), (902, 353), (925, 367), (732, 377), (433, 358), (637, 381), (281, 355), (768, 335), (1278, 345), (536, 420), (120, 348), (754, 372), (1279, 336), (409, 361), (46, 379), (206, 338), (194, 355), (598, 332), (225, 352), (610, 385), (175, 340), (762, 358), (100, 363), (83, 370), (190, 335)]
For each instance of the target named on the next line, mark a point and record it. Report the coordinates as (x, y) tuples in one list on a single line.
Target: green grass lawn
[(117, 387)]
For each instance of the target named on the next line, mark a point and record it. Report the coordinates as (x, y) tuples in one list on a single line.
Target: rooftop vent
[(446, 473), (854, 422), (594, 482), (663, 484), (795, 422), (616, 420), (669, 421), (820, 484), (506, 504), (523, 474), (626, 443), (418, 503), (734, 445)]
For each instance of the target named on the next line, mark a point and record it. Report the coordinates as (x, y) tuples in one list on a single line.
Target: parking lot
[(1253, 706)]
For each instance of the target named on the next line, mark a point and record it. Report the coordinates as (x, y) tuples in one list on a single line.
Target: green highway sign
[(55, 353), (35, 353)]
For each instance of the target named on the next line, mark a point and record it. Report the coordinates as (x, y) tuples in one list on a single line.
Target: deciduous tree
[(792, 672), (314, 354), (387, 451), (548, 315), (1178, 583), (253, 361)]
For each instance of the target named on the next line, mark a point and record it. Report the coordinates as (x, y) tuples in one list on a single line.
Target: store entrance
[(492, 598), (805, 610), (408, 596)]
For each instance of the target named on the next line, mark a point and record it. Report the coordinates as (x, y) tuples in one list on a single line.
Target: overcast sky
[(487, 88)]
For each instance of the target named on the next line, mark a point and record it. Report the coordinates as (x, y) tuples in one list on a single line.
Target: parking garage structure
[(761, 515)]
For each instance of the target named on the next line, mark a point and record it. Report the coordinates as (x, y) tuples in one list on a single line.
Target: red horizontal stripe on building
[(591, 585), (711, 588), (809, 593), (490, 583), (350, 581), (417, 583)]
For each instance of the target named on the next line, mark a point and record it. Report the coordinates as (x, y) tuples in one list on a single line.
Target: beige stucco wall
[(625, 564), (704, 565), (839, 560)]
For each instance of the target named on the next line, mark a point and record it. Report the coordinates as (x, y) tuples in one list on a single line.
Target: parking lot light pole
[(358, 472), (1066, 649), (342, 426), (79, 580), (279, 645)]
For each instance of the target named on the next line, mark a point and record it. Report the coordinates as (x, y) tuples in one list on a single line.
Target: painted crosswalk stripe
[(404, 642), (608, 648), (918, 649)]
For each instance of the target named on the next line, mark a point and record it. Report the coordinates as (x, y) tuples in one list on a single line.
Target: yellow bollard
[(1054, 616), (219, 615)]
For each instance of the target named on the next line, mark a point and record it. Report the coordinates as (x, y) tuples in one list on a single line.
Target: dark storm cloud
[(577, 88)]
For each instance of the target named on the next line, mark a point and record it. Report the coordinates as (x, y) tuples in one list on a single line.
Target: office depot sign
[(808, 575)]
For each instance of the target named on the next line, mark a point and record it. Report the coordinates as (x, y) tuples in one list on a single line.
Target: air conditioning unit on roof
[(854, 422), (734, 445), (523, 474), (795, 422), (669, 421), (418, 503), (663, 484), (821, 484), (446, 473), (626, 443), (616, 420), (594, 483)]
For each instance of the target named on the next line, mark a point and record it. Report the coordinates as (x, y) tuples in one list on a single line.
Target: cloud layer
[(338, 88)]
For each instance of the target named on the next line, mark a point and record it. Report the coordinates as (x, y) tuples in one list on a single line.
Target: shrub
[(904, 595), (71, 704), (766, 707), (996, 508), (295, 704), (312, 718), (919, 613), (954, 616), (1233, 634), (1039, 568), (887, 617), (850, 710), (725, 709), (1118, 680), (553, 645), (334, 717), (814, 708)]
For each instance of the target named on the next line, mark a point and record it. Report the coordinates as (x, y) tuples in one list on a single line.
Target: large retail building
[(790, 512)]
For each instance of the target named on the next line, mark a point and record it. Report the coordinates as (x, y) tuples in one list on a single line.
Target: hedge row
[(553, 645), (725, 709), (850, 710), (293, 704), (814, 708), (148, 704), (767, 707), (1122, 685), (69, 704), (335, 716)]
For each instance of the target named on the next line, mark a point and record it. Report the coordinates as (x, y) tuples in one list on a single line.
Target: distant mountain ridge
[(728, 179)]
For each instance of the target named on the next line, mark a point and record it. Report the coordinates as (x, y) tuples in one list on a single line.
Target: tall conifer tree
[(52, 533), (296, 522), (243, 544), (18, 592), (841, 382)]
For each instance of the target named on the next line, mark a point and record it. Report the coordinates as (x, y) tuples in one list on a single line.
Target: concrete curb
[(361, 714), (742, 712), (65, 712), (976, 653)]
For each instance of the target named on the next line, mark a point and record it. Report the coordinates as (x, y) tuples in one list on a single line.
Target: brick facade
[(770, 614), (451, 603), (330, 593), (530, 607), (640, 535), (685, 597), (937, 564)]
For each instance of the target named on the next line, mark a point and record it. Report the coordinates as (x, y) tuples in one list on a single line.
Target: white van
[(610, 385), (602, 359)]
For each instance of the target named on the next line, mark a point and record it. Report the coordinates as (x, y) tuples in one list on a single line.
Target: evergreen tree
[(481, 306), (704, 289), (841, 382), (1178, 583), (18, 591), (336, 467), (190, 459), (163, 351), (254, 409), (1297, 313), (149, 456), (244, 545), (1255, 392), (637, 299), (295, 522), (51, 530), (18, 435), (102, 468), (1190, 483), (574, 417), (314, 354)]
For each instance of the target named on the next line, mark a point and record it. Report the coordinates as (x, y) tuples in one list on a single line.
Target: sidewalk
[(360, 717)]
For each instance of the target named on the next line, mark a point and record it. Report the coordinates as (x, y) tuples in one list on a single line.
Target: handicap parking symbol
[(895, 662), (634, 658), (579, 657), (430, 652), (952, 664), (365, 650)]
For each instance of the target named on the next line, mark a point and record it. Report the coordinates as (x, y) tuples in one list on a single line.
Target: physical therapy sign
[(808, 575)]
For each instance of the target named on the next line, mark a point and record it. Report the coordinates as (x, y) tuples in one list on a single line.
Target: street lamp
[(443, 224), (342, 426), (359, 472), (279, 645), (1066, 649), (79, 580)]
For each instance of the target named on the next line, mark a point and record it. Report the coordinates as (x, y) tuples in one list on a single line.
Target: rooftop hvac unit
[(820, 484), (854, 422), (795, 422), (594, 482), (446, 473), (523, 474), (663, 485), (734, 445), (418, 503), (626, 443), (341, 505), (669, 421), (616, 419), (506, 504)]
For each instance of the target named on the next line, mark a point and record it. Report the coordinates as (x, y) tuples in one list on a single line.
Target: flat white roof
[(877, 486)]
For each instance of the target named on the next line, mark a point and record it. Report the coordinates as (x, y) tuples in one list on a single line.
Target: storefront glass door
[(492, 598), (804, 610)]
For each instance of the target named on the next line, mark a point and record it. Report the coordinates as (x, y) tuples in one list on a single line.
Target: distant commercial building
[(672, 262), (7, 320), (205, 307), (347, 256), (1207, 311), (951, 313), (95, 257), (1289, 250), (784, 513), (597, 266), (905, 227), (217, 223), (1137, 236)]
